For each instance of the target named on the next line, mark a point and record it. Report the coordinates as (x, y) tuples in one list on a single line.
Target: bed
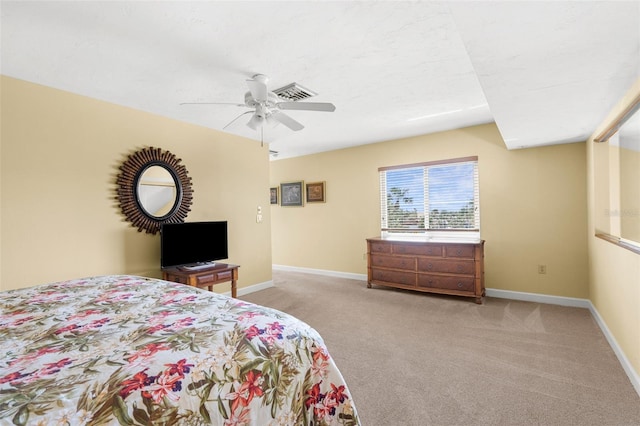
[(130, 350)]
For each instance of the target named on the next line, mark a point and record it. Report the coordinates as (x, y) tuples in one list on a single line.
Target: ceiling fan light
[(271, 122), (255, 122)]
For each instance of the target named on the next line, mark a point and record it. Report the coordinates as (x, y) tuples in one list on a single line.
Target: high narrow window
[(435, 196)]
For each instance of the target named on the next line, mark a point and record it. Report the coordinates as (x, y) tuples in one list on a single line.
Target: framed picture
[(315, 192), (273, 195), (291, 194)]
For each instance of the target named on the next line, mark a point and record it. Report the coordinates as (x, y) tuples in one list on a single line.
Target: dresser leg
[(368, 284), (479, 300)]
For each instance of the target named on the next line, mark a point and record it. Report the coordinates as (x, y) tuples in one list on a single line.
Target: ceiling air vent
[(294, 92)]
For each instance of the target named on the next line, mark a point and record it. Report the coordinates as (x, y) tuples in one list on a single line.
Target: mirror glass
[(629, 154), (156, 190)]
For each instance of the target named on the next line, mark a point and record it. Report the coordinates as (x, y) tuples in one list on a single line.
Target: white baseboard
[(539, 298), (515, 295), (624, 361), (348, 275)]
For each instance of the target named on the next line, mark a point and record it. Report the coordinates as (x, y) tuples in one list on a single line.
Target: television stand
[(209, 276)]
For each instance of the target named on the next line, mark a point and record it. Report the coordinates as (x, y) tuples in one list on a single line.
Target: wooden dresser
[(447, 267)]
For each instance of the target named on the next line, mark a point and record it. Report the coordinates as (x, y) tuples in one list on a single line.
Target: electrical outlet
[(542, 269)]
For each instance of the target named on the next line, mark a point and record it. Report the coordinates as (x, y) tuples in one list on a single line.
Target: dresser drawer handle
[(429, 265), (459, 252), (460, 268), (460, 285)]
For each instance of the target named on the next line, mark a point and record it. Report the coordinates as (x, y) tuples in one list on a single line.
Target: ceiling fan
[(266, 106)]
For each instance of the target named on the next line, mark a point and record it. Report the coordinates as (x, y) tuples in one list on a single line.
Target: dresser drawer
[(464, 267), (418, 249), (377, 247), (461, 251), (396, 277), (203, 279), (176, 278), (446, 283), (406, 263), (213, 277), (225, 275)]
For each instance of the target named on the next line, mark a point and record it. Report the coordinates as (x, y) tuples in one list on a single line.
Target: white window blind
[(439, 195)]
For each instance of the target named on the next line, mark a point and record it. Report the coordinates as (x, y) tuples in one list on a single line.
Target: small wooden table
[(216, 274)]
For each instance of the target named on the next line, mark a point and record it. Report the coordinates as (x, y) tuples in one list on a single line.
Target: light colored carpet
[(416, 359)]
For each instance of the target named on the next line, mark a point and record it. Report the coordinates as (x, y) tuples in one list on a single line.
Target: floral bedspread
[(136, 351)]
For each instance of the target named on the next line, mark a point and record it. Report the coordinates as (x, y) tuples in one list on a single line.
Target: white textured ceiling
[(545, 72)]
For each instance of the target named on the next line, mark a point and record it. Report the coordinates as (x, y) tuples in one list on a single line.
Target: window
[(439, 196)]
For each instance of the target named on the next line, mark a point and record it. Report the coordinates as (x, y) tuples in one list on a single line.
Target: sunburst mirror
[(153, 188)]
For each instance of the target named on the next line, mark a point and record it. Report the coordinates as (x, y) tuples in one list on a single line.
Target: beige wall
[(532, 208), (60, 159), (614, 272)]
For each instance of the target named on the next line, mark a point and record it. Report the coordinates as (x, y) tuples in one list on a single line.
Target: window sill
[(436, 237), (619, 242)]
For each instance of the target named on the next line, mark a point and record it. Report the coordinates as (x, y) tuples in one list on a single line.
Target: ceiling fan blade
[(212, 103), (307, 106), (258, 89), (234, 120), (287, 121)]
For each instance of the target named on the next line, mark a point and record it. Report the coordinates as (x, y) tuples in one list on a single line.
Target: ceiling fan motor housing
[(272, 100)]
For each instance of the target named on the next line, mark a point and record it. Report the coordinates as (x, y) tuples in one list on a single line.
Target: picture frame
[(292, 194), (273, 195), (316, 192)]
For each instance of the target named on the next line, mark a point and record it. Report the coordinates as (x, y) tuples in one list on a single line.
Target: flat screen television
[(193, 243)]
